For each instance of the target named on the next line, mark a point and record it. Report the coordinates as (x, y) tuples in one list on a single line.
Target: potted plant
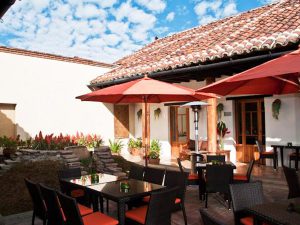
[(154, 152), (134, 146), (116, 146), (9, 146), (222, 130)]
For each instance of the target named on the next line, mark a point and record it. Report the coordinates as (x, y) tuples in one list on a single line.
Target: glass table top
[(87, 180)]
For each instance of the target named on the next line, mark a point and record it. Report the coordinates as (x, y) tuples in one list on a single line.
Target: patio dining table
[(277, 213), (109, 187), (283, 147)]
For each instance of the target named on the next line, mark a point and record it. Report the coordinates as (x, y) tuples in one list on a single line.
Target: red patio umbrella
[(278, 76), (145, 90)]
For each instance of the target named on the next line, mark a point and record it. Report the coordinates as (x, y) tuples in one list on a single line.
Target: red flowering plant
[(90, 140), (51, 142), (222, 130)]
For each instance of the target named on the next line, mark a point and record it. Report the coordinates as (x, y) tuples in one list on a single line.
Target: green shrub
[(116, 146)]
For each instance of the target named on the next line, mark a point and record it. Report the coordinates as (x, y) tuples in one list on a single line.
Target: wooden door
[(179, 129), (250, 126), (121, 121)]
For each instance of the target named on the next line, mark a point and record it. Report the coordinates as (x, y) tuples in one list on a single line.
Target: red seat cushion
[(267, 153), (193, 176), (99, 218), (77, 193), (240, 177), (138, 214), (147, 199), (247, 220), (84, 210)]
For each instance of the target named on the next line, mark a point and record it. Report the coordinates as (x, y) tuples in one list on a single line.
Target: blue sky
[(107, 30)]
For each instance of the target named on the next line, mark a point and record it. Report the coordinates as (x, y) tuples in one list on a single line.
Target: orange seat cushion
[(147, 199), (240, 177), (193, 176), (77, 193), (138, 214), (247, 220), (84, 210), (99, 218)]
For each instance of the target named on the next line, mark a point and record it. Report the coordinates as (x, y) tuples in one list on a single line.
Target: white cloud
[(153, 5), (98, 29), (170, 17), (268, 1), (208, 11)]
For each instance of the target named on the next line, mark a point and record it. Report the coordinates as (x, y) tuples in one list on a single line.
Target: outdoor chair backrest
[(154, 175), (69, 173), (164, 201), (209, 218), (259, 146), (219, 158), (218, 178), (39, 206), (292, 181), (176, 179), (54, 213), (250, 168), (70, 209), (180, 165), (246, 195), (136, 172)]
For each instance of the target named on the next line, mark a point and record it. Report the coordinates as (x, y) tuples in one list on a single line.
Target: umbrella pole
[(146, 139)]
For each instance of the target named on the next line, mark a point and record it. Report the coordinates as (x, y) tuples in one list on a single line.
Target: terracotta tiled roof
[(268, 27), (54, 57)]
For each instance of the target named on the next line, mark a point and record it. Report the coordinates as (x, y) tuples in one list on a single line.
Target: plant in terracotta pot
[(222, 130), (9, 146), (116, 146), (154, 152), (134, 146)]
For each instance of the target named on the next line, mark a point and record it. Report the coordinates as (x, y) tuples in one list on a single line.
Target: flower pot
[(154, 161), (134, 151)]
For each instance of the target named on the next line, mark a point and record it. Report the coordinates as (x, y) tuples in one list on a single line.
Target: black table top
[(286, 146), (137, 189), (277, 212), (202, 165)]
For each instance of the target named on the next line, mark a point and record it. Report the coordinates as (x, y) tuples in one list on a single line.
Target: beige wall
[(7, 120), (44, 92)]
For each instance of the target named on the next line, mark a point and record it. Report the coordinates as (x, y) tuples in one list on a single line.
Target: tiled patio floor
[(275, 188)]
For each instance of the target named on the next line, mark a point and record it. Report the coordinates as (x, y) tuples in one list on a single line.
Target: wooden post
[(212, 119), (146, 125)]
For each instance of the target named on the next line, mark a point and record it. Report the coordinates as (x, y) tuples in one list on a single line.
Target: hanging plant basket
[(220, 108), (139, 114), (276, 105), (157, 113)]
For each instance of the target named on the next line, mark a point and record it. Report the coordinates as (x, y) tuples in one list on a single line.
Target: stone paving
[(274, 184)]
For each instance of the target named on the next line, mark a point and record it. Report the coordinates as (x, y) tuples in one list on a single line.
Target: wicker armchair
[(243, 196), (292, 181)]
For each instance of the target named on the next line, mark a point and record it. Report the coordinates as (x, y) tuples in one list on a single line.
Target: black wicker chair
[(154, 175), (293, 157), (177, 179), (218, 178), (241, 178), (192, 179), (158, 212), (39, 207), (136, 172), (69, 189), (292, 181), (219, 158), (54, 213), (267, 155), (209, 218), (243, 196), (73, 217)]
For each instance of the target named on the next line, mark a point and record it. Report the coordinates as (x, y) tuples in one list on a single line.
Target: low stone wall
[(37, 155)]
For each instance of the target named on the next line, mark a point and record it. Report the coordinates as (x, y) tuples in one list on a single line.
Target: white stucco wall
[(287, 127), (45, 90)]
